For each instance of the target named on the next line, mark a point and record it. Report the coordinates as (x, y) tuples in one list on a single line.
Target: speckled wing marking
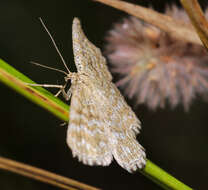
[(86, 135), (123, 128), (87, 56), (102, 125), (127, 151)]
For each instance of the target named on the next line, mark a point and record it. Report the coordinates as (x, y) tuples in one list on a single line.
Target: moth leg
[(63, 124), (57, 94), (61, 87), (69, 93), (66, 95), (45, 85), (62, 90)]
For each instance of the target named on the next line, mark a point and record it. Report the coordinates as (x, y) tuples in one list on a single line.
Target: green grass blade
[(16, 80)]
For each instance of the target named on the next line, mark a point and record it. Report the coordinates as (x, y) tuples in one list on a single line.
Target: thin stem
[(17, 81), (197, 18), (42, 175), (162, 178), (175, 28)]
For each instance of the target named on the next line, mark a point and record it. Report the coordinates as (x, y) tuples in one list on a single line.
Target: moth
[(102, 126)]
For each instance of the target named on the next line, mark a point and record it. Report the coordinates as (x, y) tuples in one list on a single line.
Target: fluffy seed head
[(154, 67)]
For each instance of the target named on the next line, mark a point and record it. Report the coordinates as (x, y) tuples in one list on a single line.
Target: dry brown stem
[(175, 28), (197, 18), (42, 175)]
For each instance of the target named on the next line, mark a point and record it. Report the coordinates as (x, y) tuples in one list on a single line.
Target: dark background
[(176, 141)]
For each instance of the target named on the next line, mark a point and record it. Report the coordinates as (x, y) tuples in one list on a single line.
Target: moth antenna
[(47, 67), (54, 43)]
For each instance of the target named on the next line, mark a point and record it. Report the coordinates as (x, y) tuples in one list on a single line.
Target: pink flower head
[(154, 67)]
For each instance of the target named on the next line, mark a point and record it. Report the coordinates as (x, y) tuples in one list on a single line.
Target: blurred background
[(174, 140)]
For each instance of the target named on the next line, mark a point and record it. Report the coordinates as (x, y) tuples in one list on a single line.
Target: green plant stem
[(162, 178), (17, 81), (14, 79)]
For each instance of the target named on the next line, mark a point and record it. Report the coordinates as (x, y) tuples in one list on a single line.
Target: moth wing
[(86, 134), (88, 58), (124, 127), (127, 151)]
